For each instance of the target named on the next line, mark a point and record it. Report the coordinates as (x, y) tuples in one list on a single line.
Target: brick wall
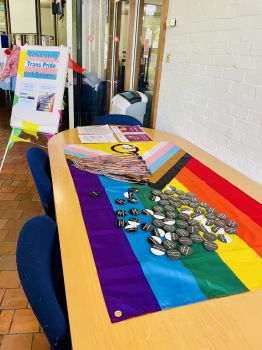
[(211, 90)]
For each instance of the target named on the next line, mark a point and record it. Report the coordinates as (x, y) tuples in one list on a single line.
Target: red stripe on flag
[(73, 65), (238, 198)]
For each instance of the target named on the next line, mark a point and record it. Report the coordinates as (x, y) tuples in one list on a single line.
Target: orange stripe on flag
[(248, 230)]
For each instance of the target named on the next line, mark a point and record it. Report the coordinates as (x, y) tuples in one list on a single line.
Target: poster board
[(40, 85)]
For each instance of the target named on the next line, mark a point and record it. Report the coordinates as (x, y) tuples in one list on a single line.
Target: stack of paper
[(96, 134), (104, 134), (128, 133)]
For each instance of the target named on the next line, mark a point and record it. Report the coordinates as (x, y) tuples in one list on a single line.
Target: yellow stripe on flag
[(18, 139), (21, 64), (143, 146), (237, 255), (30, 128)]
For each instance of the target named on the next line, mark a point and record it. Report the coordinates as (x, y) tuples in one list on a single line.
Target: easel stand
[(7, 147), (6, 150)]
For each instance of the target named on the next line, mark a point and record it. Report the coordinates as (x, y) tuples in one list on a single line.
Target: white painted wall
[(211, 91)]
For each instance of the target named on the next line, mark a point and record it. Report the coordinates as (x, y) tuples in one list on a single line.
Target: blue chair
[(116, 119), (40, 271), (39, 165)]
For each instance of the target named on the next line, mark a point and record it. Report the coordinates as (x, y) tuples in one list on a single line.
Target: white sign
[(22, 16), (40, 87)]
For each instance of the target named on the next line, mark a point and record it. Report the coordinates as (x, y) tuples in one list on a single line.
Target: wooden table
[(232, 323)]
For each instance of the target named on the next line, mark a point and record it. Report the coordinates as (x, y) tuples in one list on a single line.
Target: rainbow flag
[(133, 280)]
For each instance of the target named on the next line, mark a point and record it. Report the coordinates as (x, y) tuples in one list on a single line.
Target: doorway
[(119, 47)]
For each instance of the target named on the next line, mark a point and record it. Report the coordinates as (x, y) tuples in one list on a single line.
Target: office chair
[(40, 271), (116, 119), (39, 165)]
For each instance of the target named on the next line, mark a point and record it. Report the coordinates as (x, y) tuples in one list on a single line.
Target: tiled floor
[(19, 329)]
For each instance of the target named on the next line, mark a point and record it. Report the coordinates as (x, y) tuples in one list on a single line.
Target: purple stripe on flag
[(124, 285)]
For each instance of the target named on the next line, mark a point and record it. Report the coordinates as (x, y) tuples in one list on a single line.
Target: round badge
[(158, 223), (171, 214), (163, 202), (185, 241), (222, 216), (169, 221), (232, 224), (186, 211), (179, 192), (120, 223), (169, 192), (192, 229), (94, 194), (169, 208), (173, 254), (146, 227), (128, 194), (156, 192), (230, 230), (182, 233), (132, 200), (224, 239), (185, 250), (124, 148), (120, 201), (192, 222), (147, 212), (209, 236), (120, 212), (154, 240), (181, 223), (158, 209), (155, 198), (158, 232), (134, 211), (133, 190), (183, 216), (210, 245), (169, 228), (131, 228), (134, 221), (174, 236), (159, 216), (158, 249), (168, 244), (196, 238)]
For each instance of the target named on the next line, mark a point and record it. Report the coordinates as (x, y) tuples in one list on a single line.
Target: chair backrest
[(116, 119), (38, 162), (40, 271)]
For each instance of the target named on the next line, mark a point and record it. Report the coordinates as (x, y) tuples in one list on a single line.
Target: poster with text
[(40, 87)]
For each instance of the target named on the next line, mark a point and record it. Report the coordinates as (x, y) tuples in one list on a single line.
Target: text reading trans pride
[(41, 64)]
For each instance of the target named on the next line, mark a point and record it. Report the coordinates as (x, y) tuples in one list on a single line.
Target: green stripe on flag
[(15, 132), (213, 276)]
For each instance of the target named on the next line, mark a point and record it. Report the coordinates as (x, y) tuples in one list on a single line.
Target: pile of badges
[(179, 220), (130, 167)]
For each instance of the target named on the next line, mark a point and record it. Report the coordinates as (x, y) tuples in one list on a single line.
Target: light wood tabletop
[(231, 323)]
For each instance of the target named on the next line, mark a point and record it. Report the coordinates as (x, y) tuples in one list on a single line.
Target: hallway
[(19, 201)]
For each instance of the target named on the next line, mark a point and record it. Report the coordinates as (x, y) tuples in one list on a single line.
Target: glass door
[(122, 44), (117, 43), (136, 32), (148, 45)]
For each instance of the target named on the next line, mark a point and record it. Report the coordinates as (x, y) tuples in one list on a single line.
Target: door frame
[(159, 63), (133, 56)]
